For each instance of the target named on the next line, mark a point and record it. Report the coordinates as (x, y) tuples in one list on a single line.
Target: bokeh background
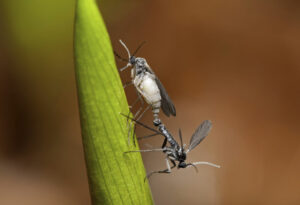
[(235, 62)]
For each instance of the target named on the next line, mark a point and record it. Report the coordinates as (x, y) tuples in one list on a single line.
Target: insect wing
[(166, 103), (201, 132)]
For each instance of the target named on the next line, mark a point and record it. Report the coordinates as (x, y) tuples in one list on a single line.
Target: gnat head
[(132, 60)]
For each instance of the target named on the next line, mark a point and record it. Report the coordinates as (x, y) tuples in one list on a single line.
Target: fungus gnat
[(176, 153), (147, 85)]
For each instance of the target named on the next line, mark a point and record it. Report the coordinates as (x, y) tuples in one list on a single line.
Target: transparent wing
[(167, 105), (201, 132)]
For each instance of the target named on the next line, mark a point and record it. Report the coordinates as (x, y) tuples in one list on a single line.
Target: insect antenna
[(119, 57), (123, 44), (138, 48), (207, 163), (180, 137), (191, 164)]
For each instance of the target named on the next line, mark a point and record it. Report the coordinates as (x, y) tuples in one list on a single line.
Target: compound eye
[(132, 60)]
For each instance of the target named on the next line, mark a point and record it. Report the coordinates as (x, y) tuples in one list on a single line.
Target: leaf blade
[(113, 177)]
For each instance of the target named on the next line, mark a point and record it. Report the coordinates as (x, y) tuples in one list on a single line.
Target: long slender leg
[(135, 115), (152, 135), (173, 163), (127, 84), (146, 150), (129, 124), (121, 69), (139, 98), (147, 136), (142, 104), (143, 125), (138, 118), (142, 114), (164, 143), (165, 171), (134, 127)]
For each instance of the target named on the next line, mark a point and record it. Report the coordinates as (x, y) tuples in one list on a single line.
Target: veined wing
[(167, 105), (201, 132)]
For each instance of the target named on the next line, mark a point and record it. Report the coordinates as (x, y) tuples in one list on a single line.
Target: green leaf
[(114, 177)]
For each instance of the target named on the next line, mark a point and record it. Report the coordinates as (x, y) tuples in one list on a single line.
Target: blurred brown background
[(234, 62)]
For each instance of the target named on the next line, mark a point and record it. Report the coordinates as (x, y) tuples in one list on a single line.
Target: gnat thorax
[(140, 62), (140, 65), (181, 158), (181, 155)]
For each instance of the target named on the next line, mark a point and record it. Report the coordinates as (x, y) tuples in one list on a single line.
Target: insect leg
[(129, 125), (143, 125), (139, 98), (147, 150), (165, 171), (164, 143), (173, 162), (142, 104), (121, 69), (130, 107), (147, 136), (142, 114), (139, 117), (127, 84)]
